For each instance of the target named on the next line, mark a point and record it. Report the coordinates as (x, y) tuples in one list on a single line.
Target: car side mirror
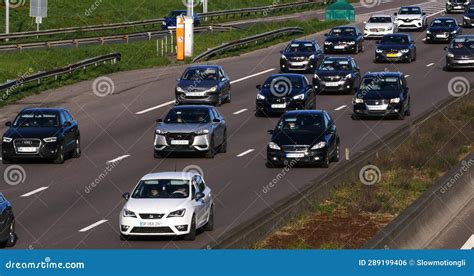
[(223, 79), (395, 13), (424, 13), (216, 121), (199, 196), (67, 124), (326, 34), (178, 79), (8, 124), (281, 52), (126, 196), (258, 87), (365, 22), (445, 48), (271, 131), (159, 120)]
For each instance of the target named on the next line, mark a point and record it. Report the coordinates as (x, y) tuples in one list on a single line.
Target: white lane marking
[(93, 225), (429, 65), (240, 111), (251, 76), (120, 158), (34, 192), (245, 152), (469, 244), (340, 108), (155, 107)]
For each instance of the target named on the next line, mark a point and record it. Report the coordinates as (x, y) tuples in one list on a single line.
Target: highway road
[(57, 207)]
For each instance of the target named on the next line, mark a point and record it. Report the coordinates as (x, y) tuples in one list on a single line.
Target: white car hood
[(378, 25), (156, 205)]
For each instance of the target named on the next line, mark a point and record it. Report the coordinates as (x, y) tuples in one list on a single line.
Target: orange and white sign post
[(188, 36), (180, 41)]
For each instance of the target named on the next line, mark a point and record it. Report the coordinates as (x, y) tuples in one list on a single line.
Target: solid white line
[(155, 107), (245, 153), (34, 192), (251, 76), (429, 65), (469, 244), (341, 107), (120, 158), (240, 111), (93, 225)]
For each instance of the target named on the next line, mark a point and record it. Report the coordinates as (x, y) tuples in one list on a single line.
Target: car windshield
[(395, 40), (36, 120), (162, 188), (335, 65), (300, 47), (304, 122), (380, 84), (463, 43), (342, 32), (188, 116), (470, 9), (283, 83), (200, 74), (443, 23), (410, 10), (380, 19)]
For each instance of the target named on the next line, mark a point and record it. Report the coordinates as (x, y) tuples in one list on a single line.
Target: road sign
[(39, 8)]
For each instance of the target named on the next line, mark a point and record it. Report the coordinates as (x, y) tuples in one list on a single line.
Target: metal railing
[(245, 41)]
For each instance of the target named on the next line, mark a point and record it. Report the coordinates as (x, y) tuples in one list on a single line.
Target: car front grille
[(150, 230), (151, 216), (377, 102), (376, 30), (27, 142), (295, 148), (180, 136), (331, 78)]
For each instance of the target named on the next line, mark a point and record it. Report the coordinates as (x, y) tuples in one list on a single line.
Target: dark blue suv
[(8, 237), (169, 22)]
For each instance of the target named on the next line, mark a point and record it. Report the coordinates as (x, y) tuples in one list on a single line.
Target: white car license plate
[(339, 47), (441, 36), (179, 142), (465, 61), (150, 223), (377, 107), (332, 84), (294, 155), (298, 63), (195, 94), (27, 149), (278, 105)]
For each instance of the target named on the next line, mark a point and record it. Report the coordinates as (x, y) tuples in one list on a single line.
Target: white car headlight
[(453, 32), (358, 100), (260, 97), (395, 100), (299, 97), (50, 139), (428, 32), (128, 214), (7, 139), (405, 51), (274, 146), (348, 76), (316, 77), (202, 132), (177, 213), (312, 57), (351, 42), (179, 89), (212, 89), (161, 132), (450, 55), (379, 51), (327, 43), (319, 145), (283, 57), (467, 18)]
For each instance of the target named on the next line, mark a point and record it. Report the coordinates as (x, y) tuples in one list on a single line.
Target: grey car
[(191, 129)]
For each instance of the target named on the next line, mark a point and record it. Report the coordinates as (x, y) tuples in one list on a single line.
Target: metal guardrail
[(151, 22), (9, 85), (238, 43)]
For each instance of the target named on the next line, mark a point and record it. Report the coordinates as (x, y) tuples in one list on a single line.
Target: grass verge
[(354, 212)]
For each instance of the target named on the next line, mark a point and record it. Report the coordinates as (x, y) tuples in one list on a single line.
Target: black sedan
[(306, 137), (442, 29), (460, 53), (301, 56), (396, 47), (456, 5), (338, 75), (203, 84), (283, 92), (47, 133), (383, 94), (8, 237), (344, 39), (468, 17)]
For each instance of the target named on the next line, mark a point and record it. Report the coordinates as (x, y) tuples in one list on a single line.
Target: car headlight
[(349, 76), (405, 51), (128, 214), (212, 89), (50, 139), (358, 100), (428, 32), (450, 55), (317, 77), (161, 132), (467, 18), (7, 139), (453, 32), (327, 43), (379, 51), (202, 132), (319, 145), (260, 97), (395, 100), (299, 97), (284, 57), (177, 213), (179, 89), (274, 146), (312, 57), (351, 42)]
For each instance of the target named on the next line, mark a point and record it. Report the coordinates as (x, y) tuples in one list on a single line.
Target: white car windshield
[(162, 188), (410, 10), (380, 20)]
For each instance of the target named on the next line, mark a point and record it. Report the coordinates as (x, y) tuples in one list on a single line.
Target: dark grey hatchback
[(8, 237)]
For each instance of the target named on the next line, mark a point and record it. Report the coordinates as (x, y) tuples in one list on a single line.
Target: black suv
[(8, 237), (456, 5), (383, 94), (468, 18), (301, 56), (203, 84), (460, 53), (337, 74), (47, 133), (283, 92), (396, 47), (443, 29), (344, 39), (307, 137)]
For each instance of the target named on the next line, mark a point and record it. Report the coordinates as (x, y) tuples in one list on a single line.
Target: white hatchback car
[(379, 25), (168, 204)]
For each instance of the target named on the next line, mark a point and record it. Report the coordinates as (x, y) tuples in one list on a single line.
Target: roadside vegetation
[(354, 212)]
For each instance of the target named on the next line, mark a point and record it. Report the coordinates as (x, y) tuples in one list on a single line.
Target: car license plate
[(27, 149), (150, 223), (278, 105), (339, 47), (377, 107), (195, 94), (179, 142), (392, 55), (294, 155), (332, 84), (298, 63), (441, 36), (465, 61)]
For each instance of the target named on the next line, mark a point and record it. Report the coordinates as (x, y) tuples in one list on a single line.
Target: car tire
[(327, 161), (355, 117), (6, 161), (211, 153), (229, 97), (270, 165), (401, 116), (60, 158), (210, 222), (356, 50), (259, 114), (219, 101), (337, 156), (223, 146), (12, 237), (157, 155), (76, 153), (192, 231)]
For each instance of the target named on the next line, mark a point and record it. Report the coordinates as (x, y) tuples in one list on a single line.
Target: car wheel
[(192, 231), (210, 222), (223, 147), (229, 97), (327, 161), (156, 155), (337, 156), (270, 165), (219, 101), (356, 50), (6, 161), (401, 116), (77, 150), (258, 113), (355, 117), (12, 237), (211, 153), (448, 68), (60, 158)]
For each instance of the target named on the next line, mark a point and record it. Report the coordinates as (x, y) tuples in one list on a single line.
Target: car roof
[(340, 27), (286, 75), (385, 74), (170, 175), (302, 41), (410, 7), (203, 66), (381, 15), (46, 110), (296, 112), (338, 58), (444, 18), (193, 106), (465, 36)]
